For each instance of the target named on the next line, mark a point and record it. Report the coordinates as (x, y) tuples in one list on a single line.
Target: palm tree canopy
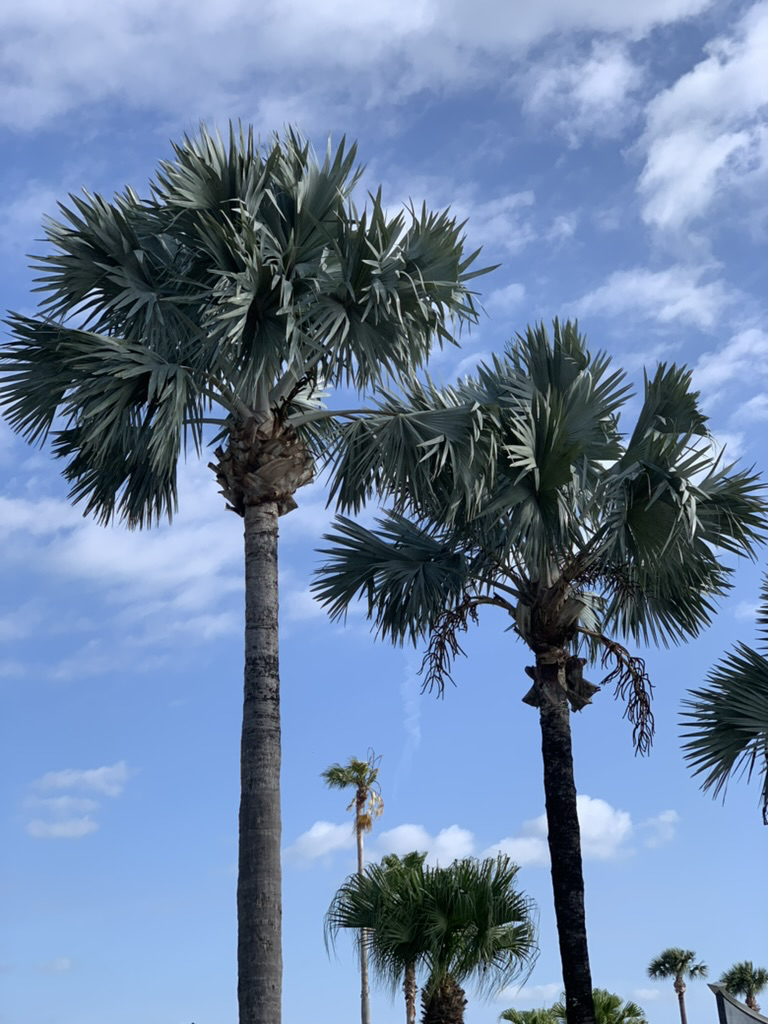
[(542, 1015), (517, 488), (609, 1009), (361, 776), (467, 921), (245, 283), (676, 963), (744, 979), (726, 722)]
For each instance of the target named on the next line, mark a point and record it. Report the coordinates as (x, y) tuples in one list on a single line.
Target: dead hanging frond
[(633, 686), (444, 646)]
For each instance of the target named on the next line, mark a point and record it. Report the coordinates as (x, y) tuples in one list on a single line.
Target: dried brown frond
[(444, 644), (634, 687)]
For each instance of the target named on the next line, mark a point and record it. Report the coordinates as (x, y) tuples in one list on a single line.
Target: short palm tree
[(450, 924), (362, 777), (226, 301), (541, 1015), (726, 723), (609, 1009), (516, 489), (678, 964), (744, 979)]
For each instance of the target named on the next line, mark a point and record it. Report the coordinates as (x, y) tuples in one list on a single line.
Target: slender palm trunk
[(365, 1006), (564, 839), (680, 989), (259, 910), (410, 989)]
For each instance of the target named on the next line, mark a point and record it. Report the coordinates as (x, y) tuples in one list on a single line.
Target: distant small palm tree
[(745, 980), (361, 776), (609, 1009), (678, 964)]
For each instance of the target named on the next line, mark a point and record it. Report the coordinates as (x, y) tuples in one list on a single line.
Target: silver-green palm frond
[(726, 722), (242, 286)]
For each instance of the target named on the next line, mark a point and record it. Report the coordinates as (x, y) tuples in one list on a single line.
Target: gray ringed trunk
[(365, 1006), (680, 989), (410, 988), (259, 910), (564, 840)]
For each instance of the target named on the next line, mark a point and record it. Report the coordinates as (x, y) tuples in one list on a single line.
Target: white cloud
[(605, 832), (109, 780), (322, 839), (660, 829), (507, 298), (182, 57), (746, 611), (706, 135), (755, 410), (647, 995), (585, 96), (70, 828), (545, 993), (742, 358), (677, 294), (450, 844), (403, 839)]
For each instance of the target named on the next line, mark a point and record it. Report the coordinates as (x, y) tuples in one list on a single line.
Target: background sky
[(613, 158)]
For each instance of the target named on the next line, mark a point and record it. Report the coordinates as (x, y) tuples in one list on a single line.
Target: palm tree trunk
[(680, 989), (445, 1004), (259, 909), (410, 989), (564, 839), (365, 1006)]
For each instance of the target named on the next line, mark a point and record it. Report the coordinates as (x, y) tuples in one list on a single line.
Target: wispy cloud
[(706, 136), (71, 816), (178, 57), (677, 294)]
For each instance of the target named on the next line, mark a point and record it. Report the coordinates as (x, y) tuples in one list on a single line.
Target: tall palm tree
[(450, 924), (609, 1009), (227, 300), (726, 724), (743, 979), (515, 488), (678, 964), (361, 776)]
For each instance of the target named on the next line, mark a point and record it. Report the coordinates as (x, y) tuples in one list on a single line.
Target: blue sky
[(613, 158)]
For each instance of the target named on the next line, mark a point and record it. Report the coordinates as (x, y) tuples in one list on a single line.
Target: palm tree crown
[(726, 723), (516, 488), (744, 979), (362, 777), (609, 1009)]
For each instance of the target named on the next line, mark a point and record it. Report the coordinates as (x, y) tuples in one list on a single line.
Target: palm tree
[(464, 922), (743, 979), (516, 489), (727, 724), (609, 1009), (367, 805), (678, 964), (542, 1015), (230, 297)]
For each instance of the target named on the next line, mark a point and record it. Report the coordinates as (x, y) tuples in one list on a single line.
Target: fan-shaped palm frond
[(726, 722)]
